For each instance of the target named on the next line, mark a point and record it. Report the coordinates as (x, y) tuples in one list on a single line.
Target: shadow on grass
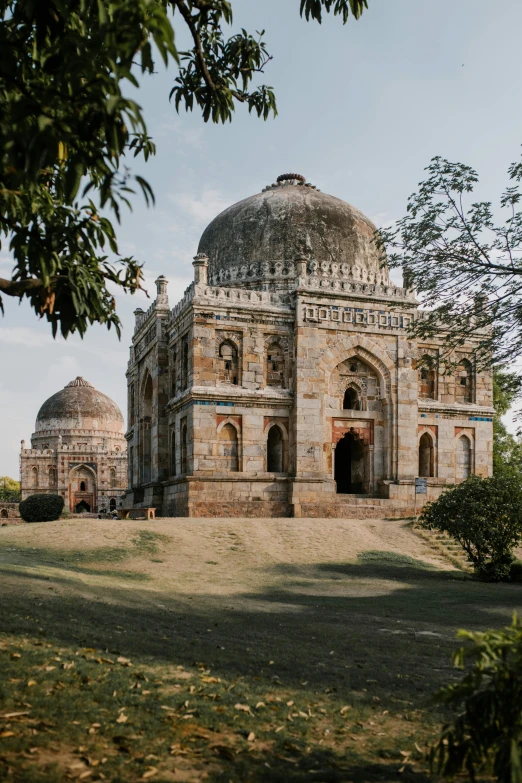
[(321, 765), (385, 620)]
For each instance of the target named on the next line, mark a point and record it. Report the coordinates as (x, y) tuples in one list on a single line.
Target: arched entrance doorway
[(82, 506), (82, 489), (349, 465)]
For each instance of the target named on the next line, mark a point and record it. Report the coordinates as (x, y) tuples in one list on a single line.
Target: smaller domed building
[(78, 450)]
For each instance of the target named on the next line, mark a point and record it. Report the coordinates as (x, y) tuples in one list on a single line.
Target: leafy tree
[(9, 489), (507, 449), (67, 131), (484, 515), (488, 728), (465, 265)]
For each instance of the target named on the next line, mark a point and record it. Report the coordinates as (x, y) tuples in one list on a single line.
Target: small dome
[(79, 406), (292, 219)]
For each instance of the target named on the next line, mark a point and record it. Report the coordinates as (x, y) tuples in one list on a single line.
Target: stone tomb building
[(285, 383), (78, 450)]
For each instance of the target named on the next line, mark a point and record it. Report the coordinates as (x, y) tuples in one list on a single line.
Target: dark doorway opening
[(82, 506), (112, 504), (274, 451), (349, 465), (351, 400)]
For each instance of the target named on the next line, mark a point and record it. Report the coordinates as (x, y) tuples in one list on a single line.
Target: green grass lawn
[(315, 672)]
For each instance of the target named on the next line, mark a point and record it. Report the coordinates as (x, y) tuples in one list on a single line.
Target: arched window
[(275, 365), (172, 452), (464, 382), (34, 478), (228, 448), (463, 458), (274, 450), (112, 477), (426, 456), (173, 373), (4, 513), (351, 400), (130, 466), (112, 504), (52, 477), (83, 486), (228, 371), (146, 433), (132, 412), (184, 366), (184, 446), (427, 378)]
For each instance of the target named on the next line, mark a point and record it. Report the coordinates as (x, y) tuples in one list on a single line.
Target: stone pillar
[(300, 265), (407, 279), (200, 265), (162, 298), (139, 315)]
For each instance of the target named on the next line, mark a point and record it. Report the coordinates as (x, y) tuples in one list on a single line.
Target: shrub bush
[(485, 517), (41, 508), (515, 571), (489, 701)]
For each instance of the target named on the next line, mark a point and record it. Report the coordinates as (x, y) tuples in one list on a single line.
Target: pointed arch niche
[(359, 413), (83, 489), (228, 432), (276, 445), (427, 454), (146, 430), (355, 385), (464, 456)]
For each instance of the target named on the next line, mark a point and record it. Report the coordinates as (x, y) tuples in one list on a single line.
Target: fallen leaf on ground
[(251, 737), (7, 734), (243, 708), (14, 714), (149, 773), (345, 709), (122, 718)]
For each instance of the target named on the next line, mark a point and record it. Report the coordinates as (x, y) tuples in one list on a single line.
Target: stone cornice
[(226, 395), (455, 409)]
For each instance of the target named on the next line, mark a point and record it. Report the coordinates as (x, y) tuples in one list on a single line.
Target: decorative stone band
[(229, 295), (357, 316), (317, 275)]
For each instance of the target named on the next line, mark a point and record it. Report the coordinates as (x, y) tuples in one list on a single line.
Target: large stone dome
[(288, 220), (79, 406)]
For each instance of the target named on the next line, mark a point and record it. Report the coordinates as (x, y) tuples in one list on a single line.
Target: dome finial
[(79, 381), (286, 177)]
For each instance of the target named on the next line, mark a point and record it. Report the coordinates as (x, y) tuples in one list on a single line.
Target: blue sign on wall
[(421, 486)]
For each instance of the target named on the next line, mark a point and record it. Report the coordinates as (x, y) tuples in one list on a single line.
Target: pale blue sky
[(362, 109)]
